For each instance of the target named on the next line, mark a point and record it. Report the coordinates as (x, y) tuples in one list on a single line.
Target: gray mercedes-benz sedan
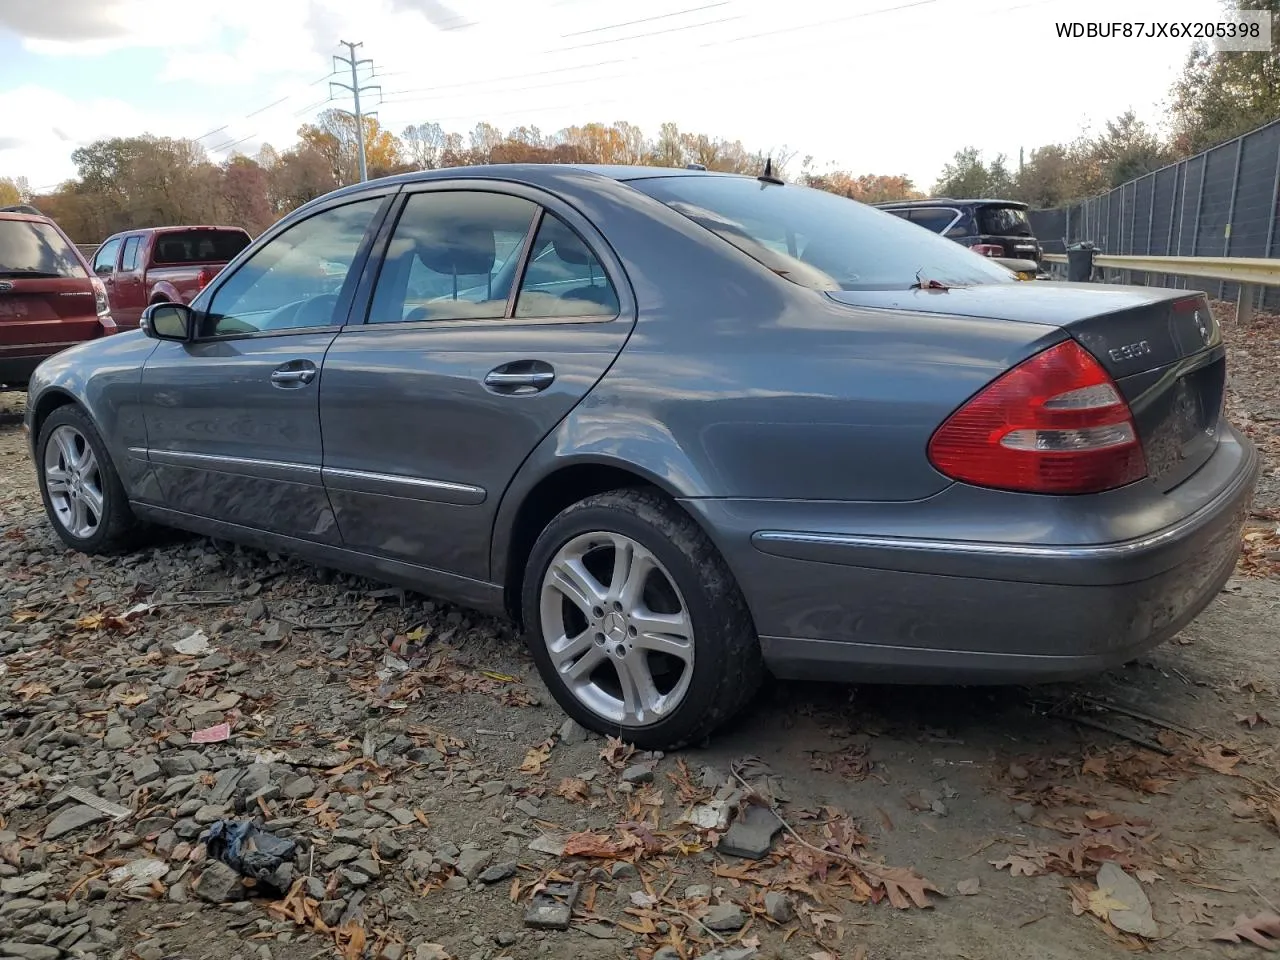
[(683, 427)]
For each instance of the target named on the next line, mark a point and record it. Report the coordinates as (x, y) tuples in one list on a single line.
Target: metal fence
[(1221, 203)]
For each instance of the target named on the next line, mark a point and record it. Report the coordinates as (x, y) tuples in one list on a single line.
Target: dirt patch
[(431, 787)]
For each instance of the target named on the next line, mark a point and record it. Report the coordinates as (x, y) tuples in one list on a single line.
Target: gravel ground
[(430, 788)]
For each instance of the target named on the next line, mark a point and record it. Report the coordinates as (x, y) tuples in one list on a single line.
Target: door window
[(453, 256), (295, 280), (105, 261), (129, 261), (564, 278)]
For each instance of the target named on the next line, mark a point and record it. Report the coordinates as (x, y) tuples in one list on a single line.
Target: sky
[(870, 86)]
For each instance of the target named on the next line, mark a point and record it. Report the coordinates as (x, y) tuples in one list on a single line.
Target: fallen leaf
[(1101, 903), (1128, 908), (1192, 909), (574, 790), (1147, 876), (1262, 930), (591, 845), (1214, 758), (536, 757), (29, 691), (900, 883), (1018, 866)]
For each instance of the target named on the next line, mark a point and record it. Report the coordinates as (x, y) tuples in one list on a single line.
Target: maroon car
[(49, 298)]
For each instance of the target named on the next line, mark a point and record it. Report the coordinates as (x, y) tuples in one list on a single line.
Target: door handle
[(520, 378), (299, 376)]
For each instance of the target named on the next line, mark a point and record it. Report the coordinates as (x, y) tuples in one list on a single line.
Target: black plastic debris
[(251, 851)]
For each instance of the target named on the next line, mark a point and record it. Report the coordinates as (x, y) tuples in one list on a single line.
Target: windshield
[(30, 249), (199, 246), (1003, 222), (820, 240)]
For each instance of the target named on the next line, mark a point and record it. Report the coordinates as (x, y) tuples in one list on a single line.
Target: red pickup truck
[(142, 267)]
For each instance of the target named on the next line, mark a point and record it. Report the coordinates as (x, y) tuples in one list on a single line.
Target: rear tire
[(83, 496), (636, 624)]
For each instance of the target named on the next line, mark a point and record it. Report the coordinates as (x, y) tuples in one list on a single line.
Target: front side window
[(32, 249), (453, 256), (105, 260), (130, 259), (846, 245), (564, 278), (294, 280)]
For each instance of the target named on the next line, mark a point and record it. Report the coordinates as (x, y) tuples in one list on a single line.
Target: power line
[(632, 23)]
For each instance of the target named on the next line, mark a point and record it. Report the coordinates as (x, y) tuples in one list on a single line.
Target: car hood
[(1060, 304)]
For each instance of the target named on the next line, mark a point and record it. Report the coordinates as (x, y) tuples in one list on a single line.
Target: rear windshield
[(29, 249), (199, 246), (818, 239), (1003, 222)]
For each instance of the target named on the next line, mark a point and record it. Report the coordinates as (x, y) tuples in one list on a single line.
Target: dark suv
[(995, 228)]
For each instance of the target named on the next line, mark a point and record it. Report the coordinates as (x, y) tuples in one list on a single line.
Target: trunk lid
[(1162, 347), (46, 295)]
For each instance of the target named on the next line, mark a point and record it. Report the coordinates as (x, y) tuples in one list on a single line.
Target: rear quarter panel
[(179, 284), (737, 383)]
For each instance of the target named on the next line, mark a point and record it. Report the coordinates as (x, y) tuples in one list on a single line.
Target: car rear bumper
[(844, 606)]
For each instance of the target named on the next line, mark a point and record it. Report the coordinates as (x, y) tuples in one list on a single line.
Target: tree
[(245, 190), (334, 137), (968, 176), (1128, 149), (9, 192), (423, 144), (866, 188), (1221, 95), (301, 175)]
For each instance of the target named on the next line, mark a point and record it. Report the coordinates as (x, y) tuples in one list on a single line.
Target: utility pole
[(355, 90)]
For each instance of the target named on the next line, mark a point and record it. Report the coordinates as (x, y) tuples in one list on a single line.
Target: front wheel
[(635, 622), (81, 489)]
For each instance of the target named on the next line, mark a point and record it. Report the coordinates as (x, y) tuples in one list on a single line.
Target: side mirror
[(168, 321)]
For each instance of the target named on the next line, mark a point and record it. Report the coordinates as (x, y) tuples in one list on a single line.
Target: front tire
[(83, 496), (635, 622)]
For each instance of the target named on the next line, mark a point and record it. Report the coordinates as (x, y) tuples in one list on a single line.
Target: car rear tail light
[(988, 249), (1055, 423), (100, 301), (205, 277)]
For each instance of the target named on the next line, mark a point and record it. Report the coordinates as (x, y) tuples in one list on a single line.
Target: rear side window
[(453, 256), (130, 259), (30, 249), (564, 278), (845, 245), (1003, 222), (936, 219), (198, 246)]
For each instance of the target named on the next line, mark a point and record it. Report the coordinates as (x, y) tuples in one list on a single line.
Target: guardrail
[(1249, 272)]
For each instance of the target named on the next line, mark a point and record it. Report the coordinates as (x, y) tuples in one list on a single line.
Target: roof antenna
[(767, 176)]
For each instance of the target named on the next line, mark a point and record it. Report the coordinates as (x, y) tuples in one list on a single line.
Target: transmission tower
[(355, 90)]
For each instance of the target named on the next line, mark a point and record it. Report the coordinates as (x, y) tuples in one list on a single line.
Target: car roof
[(27, 217), (935, 201)]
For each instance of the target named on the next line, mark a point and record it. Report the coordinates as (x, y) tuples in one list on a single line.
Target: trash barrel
[(1080, 261)]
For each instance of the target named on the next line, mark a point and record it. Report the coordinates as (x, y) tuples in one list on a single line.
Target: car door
[(129, 297), (232, 416), (465, 362), (104, 267)]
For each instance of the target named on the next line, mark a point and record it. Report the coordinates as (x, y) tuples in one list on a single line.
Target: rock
[(552, 908), (552, 846), (505, 939), (430, 951), (667, 953), (621, 870), (573, 733), (28, 951), (730, 953), (343, 853), (331, 911), (392, 951), (369, 868), (697, 891), (255, 610), (299, 788), (637, 774), (779, 907), (424, 755), (456, 884), (599, 931), (72, 818), (751, 835), (1018, 771), (25, 883), (725, 918), (471, 862), (1025, 812), (969, 887), (497, 873), (117, 738), (219, 884)]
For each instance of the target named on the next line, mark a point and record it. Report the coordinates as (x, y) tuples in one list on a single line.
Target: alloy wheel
[(617, 629), (73, 480)]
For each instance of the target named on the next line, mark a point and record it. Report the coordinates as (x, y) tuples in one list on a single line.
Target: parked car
[(162, 265), (993, 228), (684, 427), (49, 298)]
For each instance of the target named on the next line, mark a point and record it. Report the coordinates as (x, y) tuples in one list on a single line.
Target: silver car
[(684, 427)]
